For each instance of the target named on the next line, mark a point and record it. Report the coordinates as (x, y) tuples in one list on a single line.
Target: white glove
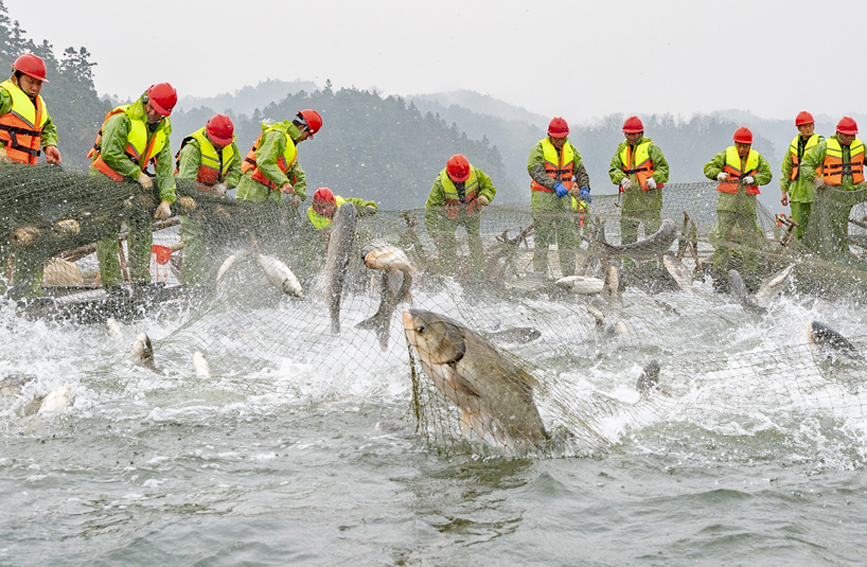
[(651, 183), (220, 188), (145, 181), (164, 211), (749, 180), (483, 201), (626, 184), (722, 176), (287, 188), (371, 208), (819, 182)]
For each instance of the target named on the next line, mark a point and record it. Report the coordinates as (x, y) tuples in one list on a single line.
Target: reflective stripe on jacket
[(796, 157), (733, 169), (21, 128), (834, 168), (215, 165), (454, 203), (557, 167), (138, 149), (284, 162), (639, 163)]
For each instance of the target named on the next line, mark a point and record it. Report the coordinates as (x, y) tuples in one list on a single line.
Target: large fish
[(581, 285), (142, 352), (493, 394), (339, 251), (395, 266), (681, 275), (738, 289), (279, 275), (837, 347), (651, 248), (773, 283)]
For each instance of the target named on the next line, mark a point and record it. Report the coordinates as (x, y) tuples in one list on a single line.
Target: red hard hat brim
[(848, 132), (459, 179), (32, 76), (220, 141), (156, 106), (558, 134)]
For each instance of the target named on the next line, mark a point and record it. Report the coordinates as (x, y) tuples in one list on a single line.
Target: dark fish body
[(339, 252), (738, 289), (823, 335), (649, 378), (651, 248), (380, 322), (493, 393)]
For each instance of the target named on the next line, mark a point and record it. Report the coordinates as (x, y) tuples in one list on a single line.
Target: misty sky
[(577, 59)]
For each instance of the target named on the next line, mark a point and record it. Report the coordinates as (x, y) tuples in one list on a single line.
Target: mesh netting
[(520, 348)]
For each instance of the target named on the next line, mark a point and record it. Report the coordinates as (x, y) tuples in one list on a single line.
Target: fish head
[(437, 339)]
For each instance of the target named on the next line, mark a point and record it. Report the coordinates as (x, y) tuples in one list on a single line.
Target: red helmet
[(743, 135), (804, 117), (220, 130), (558, 128), (31, 65), (458, 168), (162, 97), (311, 119), (633, 125), (324, 202), (847, 126)]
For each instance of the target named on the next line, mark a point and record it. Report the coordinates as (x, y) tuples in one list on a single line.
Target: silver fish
[(142, 353), (649, 378), (224, 267), (394, 285), (200, 365), (651, 248), (607, 330), (56, 400), (582, 285), (773, 283), (279, 275), (611, 285), (681, 275), (338, 255), (739, 291), (494, 395)]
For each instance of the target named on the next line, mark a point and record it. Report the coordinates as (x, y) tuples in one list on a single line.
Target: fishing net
[(578, 357)]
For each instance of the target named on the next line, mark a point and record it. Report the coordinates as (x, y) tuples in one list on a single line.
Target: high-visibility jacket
[(21, 128), (638, 163), (322, 221), (557, 167), (453, 199), (833, 168), (284, 162), (796, 158), (138, 149), (733, 169), (215, 165)]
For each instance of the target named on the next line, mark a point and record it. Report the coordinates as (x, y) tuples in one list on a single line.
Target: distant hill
[(480, 104), (248, 99)]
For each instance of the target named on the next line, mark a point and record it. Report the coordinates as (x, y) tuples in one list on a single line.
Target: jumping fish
[(739, 291), (611, 285), (395, 263), (773, 283), (56, 400), (679, 272), (142, 353), (607, 330), (338, 255), (279, 275), (224, 267), (494, 395), (649, 378), (649, 248), (200, 365)]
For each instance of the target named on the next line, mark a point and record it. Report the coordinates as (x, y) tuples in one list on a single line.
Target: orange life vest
[(138, 149), (21, 128), (834, 168), (284, 161), (557, 167), (639, 164), (733, 169), (796, 159)]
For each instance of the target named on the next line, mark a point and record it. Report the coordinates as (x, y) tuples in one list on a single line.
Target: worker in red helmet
[(132, 138), (740, 170), (325, 205), (26, 129), (640, 170), (25, 125), (270, 169), (557, 175), (210, 157), (797, 191), (835, 167), (456, 199)]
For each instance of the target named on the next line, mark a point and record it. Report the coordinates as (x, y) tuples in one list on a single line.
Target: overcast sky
[(577, 59)]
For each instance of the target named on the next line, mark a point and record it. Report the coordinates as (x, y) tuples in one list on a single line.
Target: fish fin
[(465, 387)]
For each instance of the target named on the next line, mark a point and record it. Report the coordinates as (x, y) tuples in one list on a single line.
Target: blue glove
[(560, 189), (584, 195)]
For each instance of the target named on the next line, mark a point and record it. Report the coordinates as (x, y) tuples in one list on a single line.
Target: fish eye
[(420, 329)]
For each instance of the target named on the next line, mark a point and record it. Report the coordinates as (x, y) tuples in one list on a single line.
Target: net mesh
[(574, 359)]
